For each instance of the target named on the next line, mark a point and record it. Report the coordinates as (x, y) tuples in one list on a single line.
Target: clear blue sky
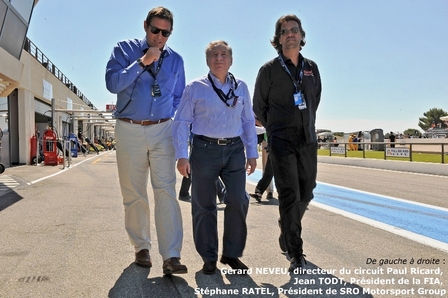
[(383, 63)]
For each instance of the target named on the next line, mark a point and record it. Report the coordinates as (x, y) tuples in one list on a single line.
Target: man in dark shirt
[(392, 140), (286, 97)]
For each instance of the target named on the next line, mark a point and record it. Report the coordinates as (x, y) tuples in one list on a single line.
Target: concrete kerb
[(394, 165)]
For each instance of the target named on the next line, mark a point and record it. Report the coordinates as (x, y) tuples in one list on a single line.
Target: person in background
[(351, 139), (184, 192), (335, 142), (218, 108), (265, 183), (392, 140), (359, 140), (148, 78), (286, 97), (355, 143)]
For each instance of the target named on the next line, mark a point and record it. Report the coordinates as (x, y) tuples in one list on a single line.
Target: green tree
[(432, 118), (412, 132)]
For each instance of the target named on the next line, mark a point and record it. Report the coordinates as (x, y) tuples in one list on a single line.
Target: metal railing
[(34, 51), (400, 149)]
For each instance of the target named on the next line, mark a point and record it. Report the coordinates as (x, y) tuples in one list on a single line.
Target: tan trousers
[(144, 151)]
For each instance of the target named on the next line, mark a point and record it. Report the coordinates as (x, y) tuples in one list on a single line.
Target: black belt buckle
[(222, 142)]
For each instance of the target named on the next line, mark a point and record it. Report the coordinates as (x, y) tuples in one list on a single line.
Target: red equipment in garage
[(33, 145), (50, 148), (33, 152)]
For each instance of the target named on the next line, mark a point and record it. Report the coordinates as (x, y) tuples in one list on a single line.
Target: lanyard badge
[(298, 100), (155, 90), (298, 97)]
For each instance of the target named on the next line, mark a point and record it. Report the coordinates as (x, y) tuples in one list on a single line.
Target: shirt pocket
[(167, 82), (309, 87)]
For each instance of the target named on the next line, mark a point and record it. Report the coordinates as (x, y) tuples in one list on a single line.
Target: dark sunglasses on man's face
[(155, 30), (294, 30)]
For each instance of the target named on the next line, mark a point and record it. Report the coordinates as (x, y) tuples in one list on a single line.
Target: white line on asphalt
[(62, 171), (385, 170)]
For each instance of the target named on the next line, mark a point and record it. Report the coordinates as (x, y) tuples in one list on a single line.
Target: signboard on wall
[(47, 90), (337, 150), (397, 152), (69, 103)]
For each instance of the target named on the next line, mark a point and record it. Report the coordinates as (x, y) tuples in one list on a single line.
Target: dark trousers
[(295, 170), (208, 162), (185, 187), (266, 179)]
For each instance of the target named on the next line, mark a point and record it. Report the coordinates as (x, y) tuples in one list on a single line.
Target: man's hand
[(251, 165), (258, 123), (183, 166), (153, 54)]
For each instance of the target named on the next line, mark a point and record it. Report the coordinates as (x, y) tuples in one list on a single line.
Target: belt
[(144, 122), (220, 141)]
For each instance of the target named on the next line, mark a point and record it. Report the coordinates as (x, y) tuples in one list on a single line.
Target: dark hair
[(160, 12), (278, 26)]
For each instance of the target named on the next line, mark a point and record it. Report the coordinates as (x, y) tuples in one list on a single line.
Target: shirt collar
[(288, 61), (216, 80), (144, 45)]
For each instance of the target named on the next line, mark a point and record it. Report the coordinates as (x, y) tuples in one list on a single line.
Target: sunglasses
[(155, 30), (294, 30)]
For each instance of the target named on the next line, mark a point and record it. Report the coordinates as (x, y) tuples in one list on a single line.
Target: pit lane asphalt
[(62, 236)]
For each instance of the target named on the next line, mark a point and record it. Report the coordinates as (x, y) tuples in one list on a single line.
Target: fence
[(401, 149)]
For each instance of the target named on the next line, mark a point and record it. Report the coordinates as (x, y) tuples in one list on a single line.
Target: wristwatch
[(140, 62)]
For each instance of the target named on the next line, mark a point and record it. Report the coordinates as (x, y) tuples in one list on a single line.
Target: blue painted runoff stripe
[(418, 218), (414, 217)]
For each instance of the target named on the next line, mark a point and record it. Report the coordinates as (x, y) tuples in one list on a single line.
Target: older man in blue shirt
[(218, 106), (148, 78)]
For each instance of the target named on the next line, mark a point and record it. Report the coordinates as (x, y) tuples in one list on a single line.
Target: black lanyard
[(154, 74), (225, 97), (299, 82)]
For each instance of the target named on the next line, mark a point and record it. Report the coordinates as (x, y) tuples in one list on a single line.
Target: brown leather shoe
[(173, 266), (142, 258)]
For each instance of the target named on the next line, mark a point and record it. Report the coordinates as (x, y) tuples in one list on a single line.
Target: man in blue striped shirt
[(148, 78), (218, 106)]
